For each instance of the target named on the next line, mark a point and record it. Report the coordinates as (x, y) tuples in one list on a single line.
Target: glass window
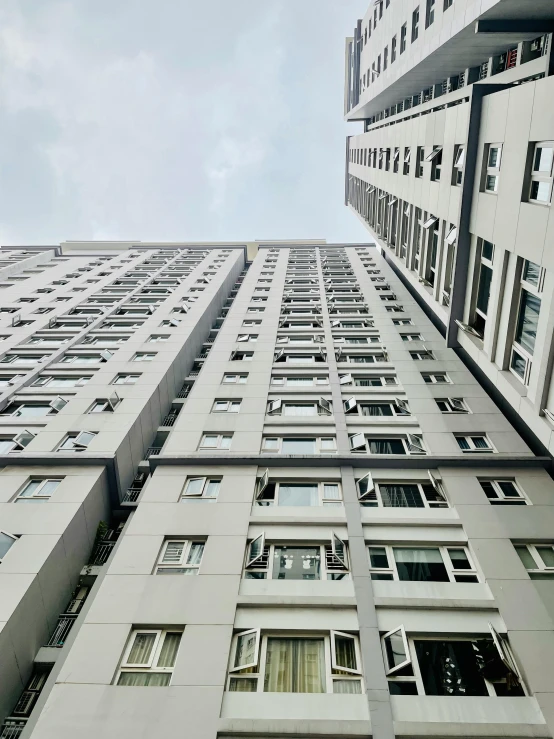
[(296, 563), (420, 564), (298, 494), (298, 446), (528, 319), (294, 665)]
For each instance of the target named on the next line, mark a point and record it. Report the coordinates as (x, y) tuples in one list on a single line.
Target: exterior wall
[(219, 602)]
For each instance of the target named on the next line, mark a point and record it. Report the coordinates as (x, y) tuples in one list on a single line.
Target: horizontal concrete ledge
[(464, 731), (81, 459), (387, 461), (284, 601), (229, 728)]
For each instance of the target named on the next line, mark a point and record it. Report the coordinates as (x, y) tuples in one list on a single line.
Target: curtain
[(420, 564), (345, 652), (401, 496), (169, 650), (141, 649), (386, 446), (352, 687), (142, 679), (294, 666), (449, 668)]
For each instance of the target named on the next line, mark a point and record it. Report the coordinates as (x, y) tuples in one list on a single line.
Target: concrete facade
[(294, 380), (471, 90)]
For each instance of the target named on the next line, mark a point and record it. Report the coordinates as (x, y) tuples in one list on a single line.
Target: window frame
[(537, 176), (447, 561), (152, 666), (232, 405), (182, 563), (472, 448), (318, 443), (460, 409), (491, 171), (263, 563), (408, 441), (541, 569), (218, 445), (323, 501), (501, 497), (36, 495)]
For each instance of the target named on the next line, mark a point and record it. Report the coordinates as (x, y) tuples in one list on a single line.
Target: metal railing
[(153, 451), (101, 554), (132, 494), (170, 419), (12, 729), (184, 391), (63, 627)]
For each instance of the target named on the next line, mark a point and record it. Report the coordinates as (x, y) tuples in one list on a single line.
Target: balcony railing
[(184, 392), (63, 627), (101, 554), (153, 451), (132, 494), (11, 729), (170, 419)]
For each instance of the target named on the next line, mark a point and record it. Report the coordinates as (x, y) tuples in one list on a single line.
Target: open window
[(366, 487), (505, 655), (7, 540), (357, 442), (396, 651), (255, 550), (415, 444), (344, 653), (262, 483), (247, 650)]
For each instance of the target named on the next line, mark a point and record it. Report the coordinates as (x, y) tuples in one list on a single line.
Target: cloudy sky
[(173, 119)]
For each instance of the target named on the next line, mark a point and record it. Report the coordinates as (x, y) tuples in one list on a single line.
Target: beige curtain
[(294, 666), (144, 679)]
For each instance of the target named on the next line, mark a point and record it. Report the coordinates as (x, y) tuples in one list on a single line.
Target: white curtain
[(294, 666)]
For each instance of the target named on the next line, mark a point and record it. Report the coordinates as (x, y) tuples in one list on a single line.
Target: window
[(201, 488), (251, 323), (410, 444), (430, 13), (458, 168), (403, 35), (368, 380), (447, 4), (265, 561), (477, 443), (435, 157), (493, 156), (451, 405), (7, 380), (541, 173), (315, 663), (365, 358), (436, 378), (149, 658), (37, 490), (6, 543), (398, 407), (411, 337), (23, 358), (538, 560), (450, 666), (247, 337), (485, 266), (33, 410), (393, 50), (87, 358), (105, 405), (180, 557), (303, 445), (298, 381), (143, 357), (421, 564), (215, 441), (527, 321), (241, 356), (77, 441), (154, 338), (415, 24), (420, 151), (421, 355), (226, 406), (125, 379), (503, 492), (401, 494), (234, 379)]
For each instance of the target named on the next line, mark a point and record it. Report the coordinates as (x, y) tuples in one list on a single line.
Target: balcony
[(12, 728), (152, 451)]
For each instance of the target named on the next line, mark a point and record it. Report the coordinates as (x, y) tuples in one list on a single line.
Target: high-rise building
[(452, 176), (248, 491)]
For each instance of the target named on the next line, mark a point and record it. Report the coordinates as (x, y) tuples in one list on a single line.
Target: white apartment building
[(452, 176), (295, 513)]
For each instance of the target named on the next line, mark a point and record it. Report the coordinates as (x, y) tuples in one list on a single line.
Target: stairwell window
[(541, 173), (201, 488), (503, 492), (317, 662), (180, 557), (37, 490), (149, 658), (492, 159)]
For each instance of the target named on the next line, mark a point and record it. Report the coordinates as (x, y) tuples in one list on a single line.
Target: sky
[(166, 120)]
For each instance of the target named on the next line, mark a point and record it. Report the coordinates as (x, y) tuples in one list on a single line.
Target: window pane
[(331, 491), (420, 564), (347, 686), (386, 446), (462, 442), (296, 563), (543, 159), (540, 191), (509, 489), (493, 157), (294, 666), (518, 364), (483, 292), (450, 667), (225, 442), (194, 487), (212, 489), (526, 558), (298, 446), (378, 557), (479, 442), (345, 652), (395, 649), (49, 487), (141, 649), (5, 543), (528, 319), (299, 410), (547, 555), (195, 553), (169, 650), (376, 409), (487, 250), (144, 679), (298, 495), (459, 559), (401, 496), (30, 489), (531, 273)]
